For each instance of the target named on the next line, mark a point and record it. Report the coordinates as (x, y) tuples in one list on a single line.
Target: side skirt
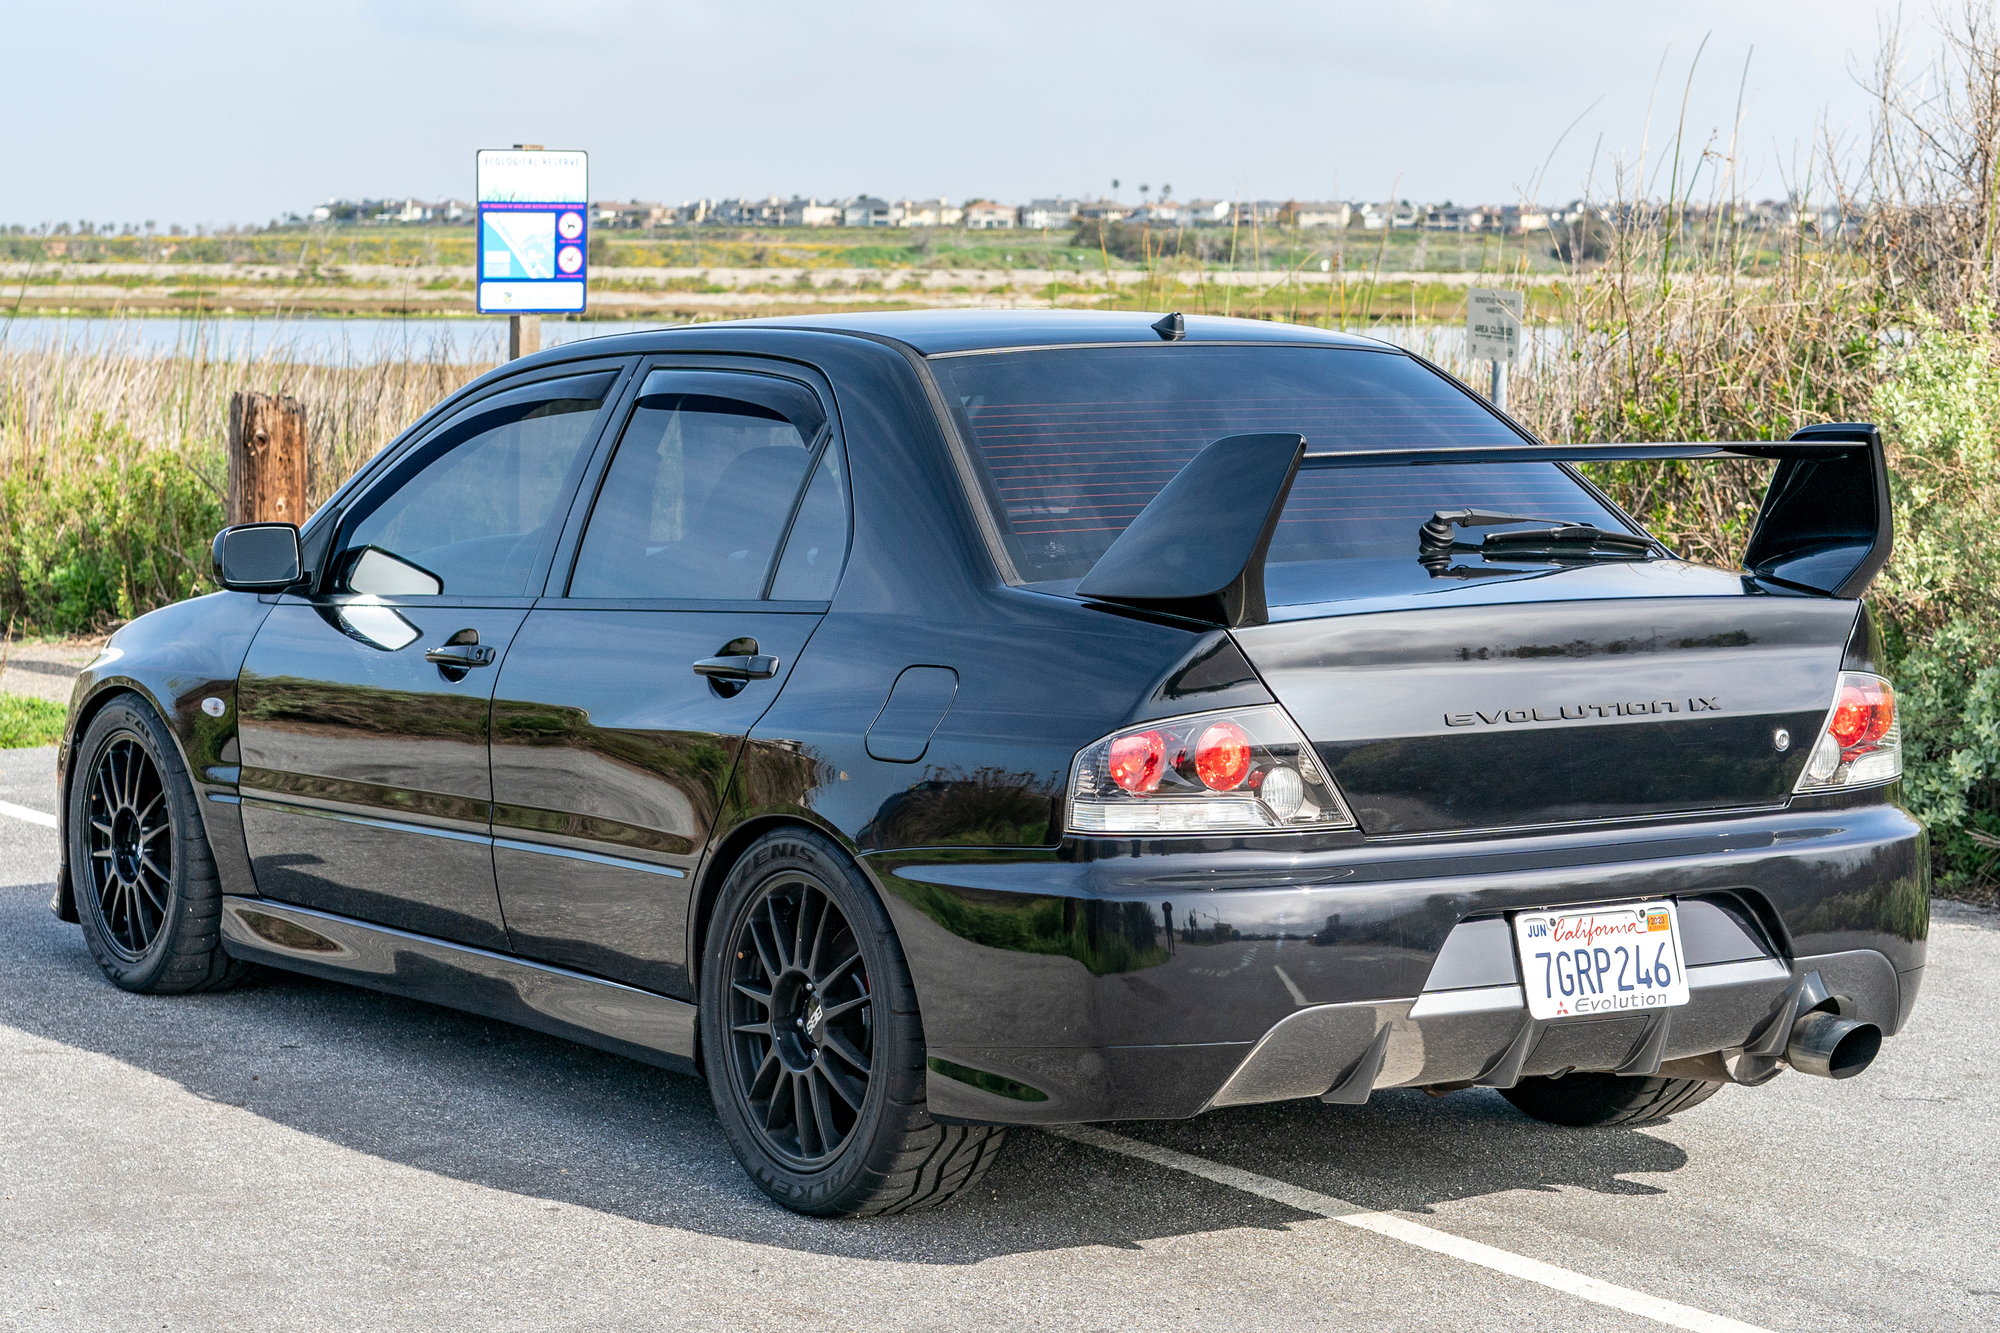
[(614, 1017)]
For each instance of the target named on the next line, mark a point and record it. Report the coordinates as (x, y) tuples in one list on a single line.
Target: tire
[(812, 1042), (1592, 1100), (147, 893)]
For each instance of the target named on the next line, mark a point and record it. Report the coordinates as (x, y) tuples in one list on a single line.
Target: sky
[(214, 111)]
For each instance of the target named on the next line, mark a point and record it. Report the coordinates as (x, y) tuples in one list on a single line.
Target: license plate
[(1591, 961)]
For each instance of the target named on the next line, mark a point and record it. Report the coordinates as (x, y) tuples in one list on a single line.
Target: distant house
[(867, 211), (1102, 210), (629, 213), (811, 213), (1161, 214), (766, 212), (1317, 213), (1374, 217), (930, 213), (1042, 214), (1519, 219), (985, 215), (1454, 217), (1264, 212), (1206, 212), (1777, 214)]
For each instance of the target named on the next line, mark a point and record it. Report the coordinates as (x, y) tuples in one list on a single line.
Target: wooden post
[(267, 459), (524, 335)]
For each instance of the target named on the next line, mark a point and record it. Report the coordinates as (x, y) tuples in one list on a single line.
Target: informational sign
[(1493, 324), (534, 246)]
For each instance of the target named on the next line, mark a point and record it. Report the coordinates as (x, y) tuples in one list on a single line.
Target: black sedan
[(927, 723)]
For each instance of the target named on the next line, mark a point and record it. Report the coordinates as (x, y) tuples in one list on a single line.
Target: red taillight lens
[(1222, 756), (1864, 712), (1138, 760)]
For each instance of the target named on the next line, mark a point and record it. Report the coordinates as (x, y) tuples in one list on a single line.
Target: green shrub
[(1939, 403), (118, 530), (27, 721)]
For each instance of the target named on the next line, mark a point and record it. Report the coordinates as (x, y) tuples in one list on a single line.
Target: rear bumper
[(1056, 988)]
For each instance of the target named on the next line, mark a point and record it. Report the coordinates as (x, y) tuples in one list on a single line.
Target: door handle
[(739, 666), (461, 655)]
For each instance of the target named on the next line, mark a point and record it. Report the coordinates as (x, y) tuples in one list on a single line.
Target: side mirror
[(258, 557)]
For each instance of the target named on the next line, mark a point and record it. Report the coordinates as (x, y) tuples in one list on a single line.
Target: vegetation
[(112, 472), (27, 721)]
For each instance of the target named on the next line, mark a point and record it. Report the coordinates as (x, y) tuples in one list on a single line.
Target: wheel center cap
[(125, 842)]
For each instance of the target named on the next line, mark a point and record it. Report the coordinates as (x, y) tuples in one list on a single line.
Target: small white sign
[(1493, 324)]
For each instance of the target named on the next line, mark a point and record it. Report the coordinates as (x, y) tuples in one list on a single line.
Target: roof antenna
[(1171, 327)]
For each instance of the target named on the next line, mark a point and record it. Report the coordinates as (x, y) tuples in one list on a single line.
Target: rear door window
[(1074, 442), (702, 489)]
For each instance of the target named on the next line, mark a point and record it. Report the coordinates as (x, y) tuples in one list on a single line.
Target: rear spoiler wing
[(1198, 549)]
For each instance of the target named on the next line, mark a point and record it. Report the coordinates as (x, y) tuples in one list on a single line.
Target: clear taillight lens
[(1862, 742), (1246, 770)]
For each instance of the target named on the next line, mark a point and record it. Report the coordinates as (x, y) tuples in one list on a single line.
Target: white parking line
[(1670, 1313), (23, 812)]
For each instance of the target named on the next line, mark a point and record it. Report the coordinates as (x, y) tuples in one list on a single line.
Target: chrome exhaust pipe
[(1826, 1045)]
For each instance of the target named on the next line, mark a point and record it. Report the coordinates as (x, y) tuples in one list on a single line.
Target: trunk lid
[(1494, 711)]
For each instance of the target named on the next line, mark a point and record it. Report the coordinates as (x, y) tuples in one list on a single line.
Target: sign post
[(533, 249), (1493, 333)]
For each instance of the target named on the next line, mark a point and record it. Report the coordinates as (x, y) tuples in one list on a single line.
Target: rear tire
[(1594, 1100), (813, 1045), (147, 893)]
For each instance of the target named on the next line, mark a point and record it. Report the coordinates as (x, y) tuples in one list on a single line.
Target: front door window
[(472, 511)]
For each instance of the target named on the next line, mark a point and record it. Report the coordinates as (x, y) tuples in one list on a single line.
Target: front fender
[(174, 658)]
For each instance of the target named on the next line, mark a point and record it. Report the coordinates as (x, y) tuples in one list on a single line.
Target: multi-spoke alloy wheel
[(131, 846), (802, 1030), (813, 1044), (139, 869)]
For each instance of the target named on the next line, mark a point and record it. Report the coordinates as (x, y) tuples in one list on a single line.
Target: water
[(327, 341), (342, 341)]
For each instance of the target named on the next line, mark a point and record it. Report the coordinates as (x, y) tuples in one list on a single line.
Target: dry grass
[(53, 397)]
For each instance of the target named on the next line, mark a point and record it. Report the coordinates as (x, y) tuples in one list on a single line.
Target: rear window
[(1073, 443)]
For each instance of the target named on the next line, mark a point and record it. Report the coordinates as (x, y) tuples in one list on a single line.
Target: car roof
[(944, 332)]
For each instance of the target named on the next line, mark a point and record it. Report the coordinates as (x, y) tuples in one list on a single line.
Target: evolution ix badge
[(1578, 712)]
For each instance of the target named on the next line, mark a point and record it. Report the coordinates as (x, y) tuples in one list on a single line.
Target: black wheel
[(146, 887), (813, 1045), (1593, 1099)]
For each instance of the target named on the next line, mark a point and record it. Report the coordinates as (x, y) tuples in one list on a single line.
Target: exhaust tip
[(1826, 1045)]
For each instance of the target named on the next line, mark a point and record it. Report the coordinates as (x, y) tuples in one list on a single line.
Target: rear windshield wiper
[(1556, 538)]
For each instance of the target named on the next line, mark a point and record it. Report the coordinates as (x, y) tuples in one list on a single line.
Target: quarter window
[(817, 544), (701, 490)]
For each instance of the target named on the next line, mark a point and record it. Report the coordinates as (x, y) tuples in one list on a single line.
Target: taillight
[(1138, 760), (1222, 756), (1861, 743), (1242, 771)]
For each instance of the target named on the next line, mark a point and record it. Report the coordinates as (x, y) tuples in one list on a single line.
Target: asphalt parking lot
[(297, 1154)]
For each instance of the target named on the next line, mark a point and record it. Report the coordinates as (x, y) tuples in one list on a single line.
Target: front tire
[(1595, 1100), (813, 1045), (147, 892)]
